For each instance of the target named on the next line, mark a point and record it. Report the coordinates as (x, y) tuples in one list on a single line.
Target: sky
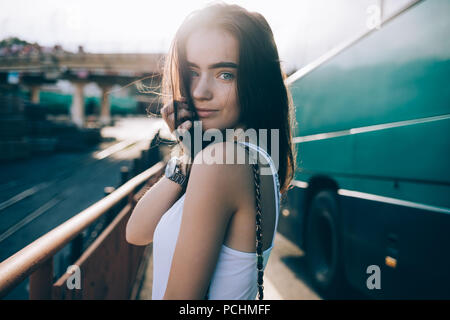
[(303, 29)]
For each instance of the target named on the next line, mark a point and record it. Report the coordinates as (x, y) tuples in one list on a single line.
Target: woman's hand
[(168, 115)]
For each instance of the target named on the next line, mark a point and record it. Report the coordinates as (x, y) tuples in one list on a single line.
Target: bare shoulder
[(227, 152), (219, 166)]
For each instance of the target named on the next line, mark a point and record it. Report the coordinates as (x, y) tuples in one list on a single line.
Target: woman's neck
[(238, 133)]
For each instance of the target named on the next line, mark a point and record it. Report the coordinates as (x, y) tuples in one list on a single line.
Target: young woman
[(223, 69)]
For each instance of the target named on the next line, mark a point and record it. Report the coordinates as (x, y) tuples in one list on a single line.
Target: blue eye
[(229, 75), (193, 73)]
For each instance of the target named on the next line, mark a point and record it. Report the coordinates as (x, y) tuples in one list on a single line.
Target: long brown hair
[(265, 101)]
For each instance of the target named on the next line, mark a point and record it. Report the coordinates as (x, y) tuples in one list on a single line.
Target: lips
[(204, 113)]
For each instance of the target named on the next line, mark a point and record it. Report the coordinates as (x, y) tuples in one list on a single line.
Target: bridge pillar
[(77, 109), (35, 94), (105, 109)]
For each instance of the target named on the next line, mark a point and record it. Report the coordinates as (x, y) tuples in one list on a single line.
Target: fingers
[(183, 128), (183, 110), (181, 104), (167, 113), (185, 125), (186, 117)]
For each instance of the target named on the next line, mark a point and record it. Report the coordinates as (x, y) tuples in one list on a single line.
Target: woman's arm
[(163, 194), (149, 210)]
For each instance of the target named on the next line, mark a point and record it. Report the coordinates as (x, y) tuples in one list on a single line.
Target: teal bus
[(370, 201)]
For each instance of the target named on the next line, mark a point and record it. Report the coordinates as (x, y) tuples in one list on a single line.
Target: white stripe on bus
[(378, 198), (376, 127)]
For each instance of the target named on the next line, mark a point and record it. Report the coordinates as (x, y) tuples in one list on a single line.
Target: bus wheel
[(323, 244)]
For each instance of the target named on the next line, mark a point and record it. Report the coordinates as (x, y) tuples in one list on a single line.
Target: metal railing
[(109, 265)]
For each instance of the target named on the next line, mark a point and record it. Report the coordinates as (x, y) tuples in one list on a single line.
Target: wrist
[(178, 186), (185, 165), (174, 171)]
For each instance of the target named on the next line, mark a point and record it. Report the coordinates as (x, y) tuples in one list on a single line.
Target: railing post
[(136, 166), (76, 247), (111, 212), (41, 281), (124, 175), (144, 160)]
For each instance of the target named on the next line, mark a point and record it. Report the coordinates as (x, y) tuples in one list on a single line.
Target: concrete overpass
[(82, 68)]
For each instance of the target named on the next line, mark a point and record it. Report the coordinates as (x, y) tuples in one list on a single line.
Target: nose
[(202, 89)]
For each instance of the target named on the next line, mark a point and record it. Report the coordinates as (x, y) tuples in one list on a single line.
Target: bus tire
[(323, 244)]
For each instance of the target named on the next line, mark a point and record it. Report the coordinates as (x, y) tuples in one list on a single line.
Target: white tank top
[(235, 275)]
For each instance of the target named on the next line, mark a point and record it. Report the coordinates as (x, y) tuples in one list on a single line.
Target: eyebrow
[(221, 64)]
